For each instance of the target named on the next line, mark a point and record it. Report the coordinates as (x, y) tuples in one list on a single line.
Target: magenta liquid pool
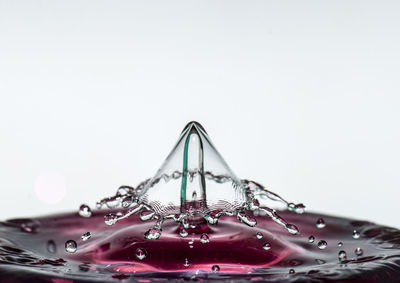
[(195, 220)]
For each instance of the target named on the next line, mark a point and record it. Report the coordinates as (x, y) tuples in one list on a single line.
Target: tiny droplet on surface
[(359, 251), (259, 235), (140, 253), (86, 236), (356, 234), (267, 246), (215, 268), (311, 239), (320, 223), (85, 211), (204, 238), (322, 244)]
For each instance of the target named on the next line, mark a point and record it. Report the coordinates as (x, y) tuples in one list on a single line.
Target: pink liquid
[(34, 250)]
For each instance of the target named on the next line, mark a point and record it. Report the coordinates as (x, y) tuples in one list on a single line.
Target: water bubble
[(320, 223), (186, 263), (215, 268), (340, 244), (183, 233), (259, 235), (110, 219), (86, 236), (267, 246), (322, 244), (51, 246), (359, 251), (342, 255), (311, 239), (291, 271), (152, 234), (85, 211), (292, 229), (140, 253), (70, 246), (356, 234), (204, 238)]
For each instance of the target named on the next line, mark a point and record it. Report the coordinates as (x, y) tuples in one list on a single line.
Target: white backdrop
[(302, 96)]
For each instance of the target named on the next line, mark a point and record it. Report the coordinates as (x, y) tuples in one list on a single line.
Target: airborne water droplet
[(70, 246), (204, 238), (322, 244), (267, 246), (359, 251), (215, 268), (85, 211), (342, 255), (259, 235), (311, 239), (320, 223), (140, 253), (356, 234), (86, 236)]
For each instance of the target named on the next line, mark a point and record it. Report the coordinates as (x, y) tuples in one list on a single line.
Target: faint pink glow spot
[(50, 187)]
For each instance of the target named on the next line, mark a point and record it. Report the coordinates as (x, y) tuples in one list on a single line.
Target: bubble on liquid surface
[(70, 246), (311, 239), (356, 234), (195, 182), (85, 211), (320, 223), (204, 238), (266, 246), (140, 253), (259, 235), (215, 268), (359, 251), (322, 244), (86, 236)]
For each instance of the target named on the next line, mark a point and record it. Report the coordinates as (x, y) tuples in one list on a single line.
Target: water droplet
[(300, 208), (322, 244), (292, 229), (359, 251), (204, 238), (152, 234), (86, 236), (342, 255), (70, 246), (112, 203), (356, 234), (215, 268), (340, 244), (140, 253), (259, 235), (183, 233), (320, 223), (267, 246), (311, 239), (110, 219), (127, 201), (186, 263), (85, 211), (51, 246), (291, 271)]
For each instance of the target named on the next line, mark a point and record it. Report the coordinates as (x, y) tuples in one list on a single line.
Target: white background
[(302, 96)]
